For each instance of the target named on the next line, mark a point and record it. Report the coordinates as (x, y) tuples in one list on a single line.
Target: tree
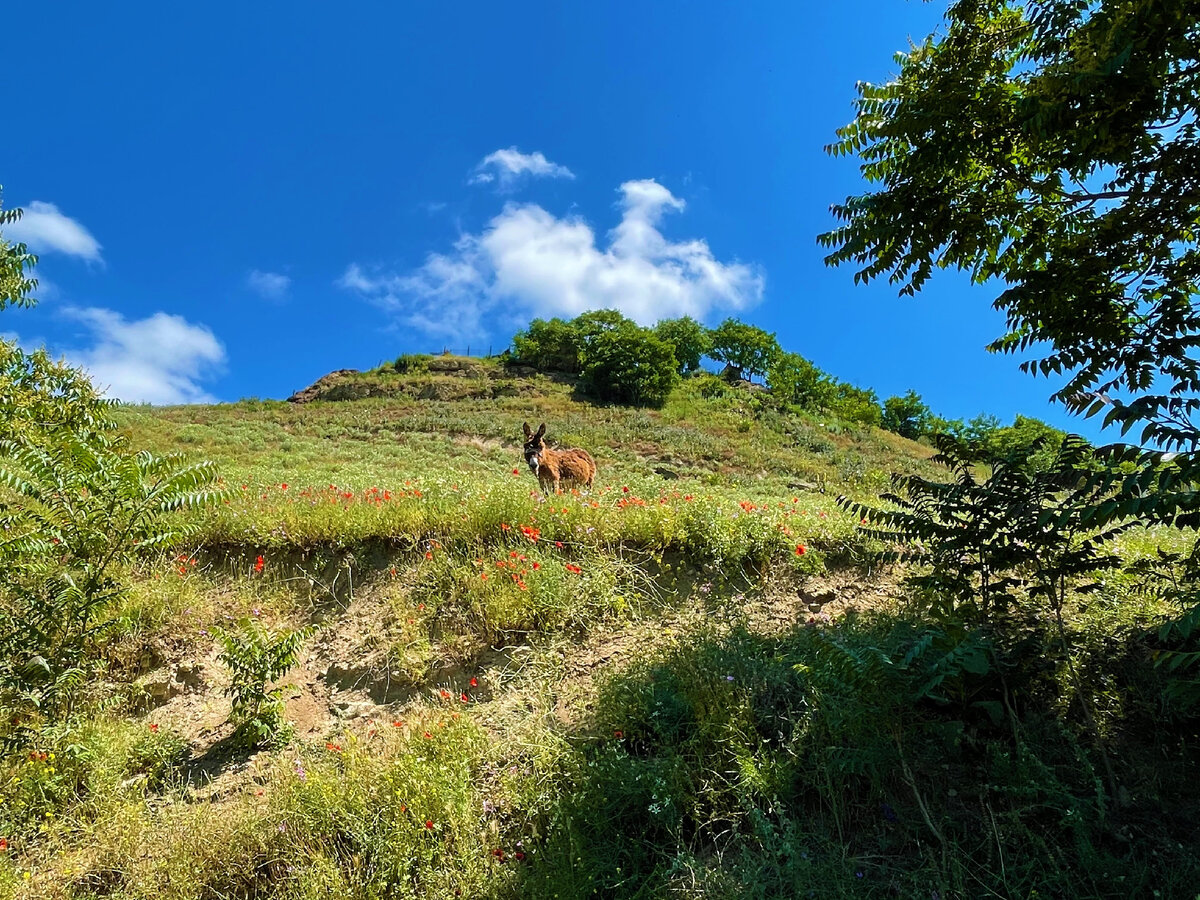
[(908, 416), (77, 508), (793, 380), (593, 323), (855, 404), (1052, 145), (551, 346), (15, 263), (745, 349), (689, 339), (629, 364)]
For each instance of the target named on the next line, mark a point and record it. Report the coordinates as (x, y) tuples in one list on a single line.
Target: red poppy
[(464, 698), (428, 736), (800, 551), (519, 855), (334, 747), (258, 564), (283, 486), (429, 554), (397, 724), (429, 825), (618, 734), (474, 682), (3, 845), (516, 471), (444, 693), (154, 727)]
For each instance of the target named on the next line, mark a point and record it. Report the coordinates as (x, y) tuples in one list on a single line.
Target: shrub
[(78, 511), (255, 656), (407, 363), (1002, 528)]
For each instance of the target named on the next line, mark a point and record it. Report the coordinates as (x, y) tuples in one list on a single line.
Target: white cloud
[(46, 230), (160, 359), (506, 167), (268, 285), (528, 262)]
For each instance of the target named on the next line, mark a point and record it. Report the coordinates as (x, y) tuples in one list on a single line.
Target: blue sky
[(231, 200)]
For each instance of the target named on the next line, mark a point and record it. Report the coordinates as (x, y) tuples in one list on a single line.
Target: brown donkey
[(556, 468)]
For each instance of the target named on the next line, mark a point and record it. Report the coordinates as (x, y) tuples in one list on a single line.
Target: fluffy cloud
[(46, 230), (506, 167), (528, 262), (268, 285), (160, 359)]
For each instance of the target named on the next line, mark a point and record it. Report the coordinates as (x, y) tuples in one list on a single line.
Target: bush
[(629, 364), (411, 362), (255, 656), (78, 510)]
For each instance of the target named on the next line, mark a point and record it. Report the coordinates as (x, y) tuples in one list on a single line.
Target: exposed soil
[(346, 680)]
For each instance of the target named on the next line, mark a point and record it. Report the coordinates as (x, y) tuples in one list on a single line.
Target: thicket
[(620, 362), (1050, 148), (78, 507)]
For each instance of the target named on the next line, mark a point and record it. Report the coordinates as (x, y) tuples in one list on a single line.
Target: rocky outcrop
[(321, 386)]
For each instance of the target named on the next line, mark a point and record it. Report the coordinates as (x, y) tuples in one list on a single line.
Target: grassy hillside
[(694, 680)]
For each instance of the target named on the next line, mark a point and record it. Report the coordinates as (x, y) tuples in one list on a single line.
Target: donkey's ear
[(528, 430), (541, 429)]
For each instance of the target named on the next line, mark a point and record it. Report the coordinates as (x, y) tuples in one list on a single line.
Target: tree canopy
[(689, 339), (1051, 145), (746, 349), (16, 285), (630, 364)]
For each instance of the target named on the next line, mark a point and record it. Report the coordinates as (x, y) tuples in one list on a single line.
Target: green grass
[(610, 694)]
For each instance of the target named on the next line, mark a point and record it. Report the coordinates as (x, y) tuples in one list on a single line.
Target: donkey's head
[(534, 446)]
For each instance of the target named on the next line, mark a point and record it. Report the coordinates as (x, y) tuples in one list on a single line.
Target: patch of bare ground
[(355, 671), (484, 445)]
